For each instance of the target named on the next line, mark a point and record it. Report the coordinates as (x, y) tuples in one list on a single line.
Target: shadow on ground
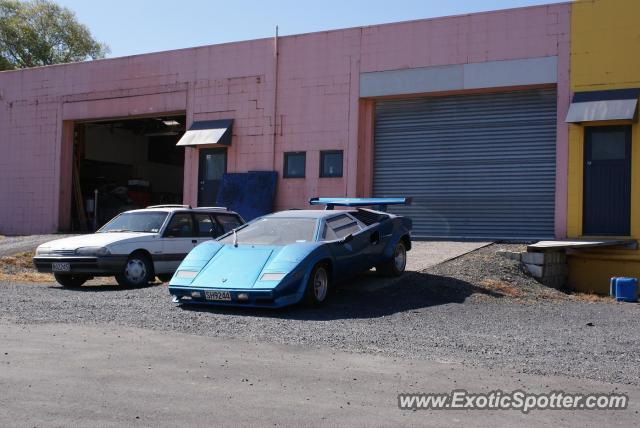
[(370, 297), (103, 288)]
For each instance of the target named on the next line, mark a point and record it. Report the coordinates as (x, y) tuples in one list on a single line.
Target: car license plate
[(217, 295), (60, 267)]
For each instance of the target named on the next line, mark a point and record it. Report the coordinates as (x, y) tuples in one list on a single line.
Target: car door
[(349, 256), (377, 238), (206, 227), (178, 239)]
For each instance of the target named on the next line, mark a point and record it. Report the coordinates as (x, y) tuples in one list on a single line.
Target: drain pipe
[(275, 99)]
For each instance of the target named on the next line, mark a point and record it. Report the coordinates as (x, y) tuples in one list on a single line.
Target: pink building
[(464, 113)]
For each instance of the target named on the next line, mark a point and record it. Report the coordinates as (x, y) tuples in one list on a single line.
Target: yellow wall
[(605, 37), (605, 54)]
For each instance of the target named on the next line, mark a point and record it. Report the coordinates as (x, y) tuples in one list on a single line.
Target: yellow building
[(604, 140)]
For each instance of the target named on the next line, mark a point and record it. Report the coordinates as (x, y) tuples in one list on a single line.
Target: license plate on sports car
[(60, 267), (217, 295)]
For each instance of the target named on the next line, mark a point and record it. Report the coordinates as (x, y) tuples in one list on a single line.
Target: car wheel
[(164, 277), (395, 265), (318, 286), (137, 272), (68, 280)]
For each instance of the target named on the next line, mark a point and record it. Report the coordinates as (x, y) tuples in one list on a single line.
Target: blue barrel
[(624, 289), (612, 287)]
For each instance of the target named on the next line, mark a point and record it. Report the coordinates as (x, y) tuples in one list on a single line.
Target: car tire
[(70, 280), (164, 277), (395, 265), (137, 272), (318, 286)]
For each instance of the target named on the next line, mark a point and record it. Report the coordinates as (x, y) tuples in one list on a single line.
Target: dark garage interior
[(131, 163)]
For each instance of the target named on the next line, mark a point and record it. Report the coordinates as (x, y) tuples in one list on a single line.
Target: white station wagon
[(135, 246)]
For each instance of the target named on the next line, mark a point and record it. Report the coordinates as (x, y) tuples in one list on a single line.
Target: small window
[(608, 145), (328, 234), (206, 227), (294, 164), (343, 225), (331, 163), (180, 226), (228, 222)]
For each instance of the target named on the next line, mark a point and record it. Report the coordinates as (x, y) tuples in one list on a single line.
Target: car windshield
[(274, 231), (150, 221)]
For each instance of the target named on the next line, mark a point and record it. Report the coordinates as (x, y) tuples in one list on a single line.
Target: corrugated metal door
[(477, 166)]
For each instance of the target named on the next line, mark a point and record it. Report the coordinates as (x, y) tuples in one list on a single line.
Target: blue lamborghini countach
[(295, 256)]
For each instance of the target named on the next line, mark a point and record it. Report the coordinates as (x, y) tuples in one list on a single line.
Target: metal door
[(607, 181), (477, 166), (213, 164)]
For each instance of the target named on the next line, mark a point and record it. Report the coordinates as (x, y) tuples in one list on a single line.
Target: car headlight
[(92, 251), (272, 276), (43, 251), (186, 274)]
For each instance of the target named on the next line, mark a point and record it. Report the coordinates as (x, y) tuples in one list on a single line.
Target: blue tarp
[(250, 194)]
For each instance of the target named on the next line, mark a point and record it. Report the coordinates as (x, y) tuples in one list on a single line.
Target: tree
[(39, 32)]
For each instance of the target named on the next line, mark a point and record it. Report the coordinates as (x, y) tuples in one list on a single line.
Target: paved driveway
[(425, 254), (71, 375)]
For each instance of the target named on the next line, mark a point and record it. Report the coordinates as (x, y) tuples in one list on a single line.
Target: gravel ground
[(478, 309), (10, 245)]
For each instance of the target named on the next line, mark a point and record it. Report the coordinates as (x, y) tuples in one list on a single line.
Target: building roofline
[(291, 36)]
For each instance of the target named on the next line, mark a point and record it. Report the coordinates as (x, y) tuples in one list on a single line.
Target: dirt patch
[(19, 267), (494, 276)]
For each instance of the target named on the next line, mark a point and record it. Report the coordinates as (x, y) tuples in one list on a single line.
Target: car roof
[(221, 210), (316, 214)]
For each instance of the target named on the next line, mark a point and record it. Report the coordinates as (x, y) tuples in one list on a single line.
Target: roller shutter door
[(477, 166)]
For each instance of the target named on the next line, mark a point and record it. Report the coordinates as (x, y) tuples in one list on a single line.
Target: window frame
[(194, 226), (215, 224), (323, 153), (285, 168)]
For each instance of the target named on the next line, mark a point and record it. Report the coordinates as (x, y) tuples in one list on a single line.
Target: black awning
[(208, 132), (594, 106)]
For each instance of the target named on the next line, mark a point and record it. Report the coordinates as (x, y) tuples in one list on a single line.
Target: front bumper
[(256, 298), (106, 265)]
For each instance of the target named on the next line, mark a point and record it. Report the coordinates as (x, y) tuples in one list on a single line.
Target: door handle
[(194, 241), (588, 163)]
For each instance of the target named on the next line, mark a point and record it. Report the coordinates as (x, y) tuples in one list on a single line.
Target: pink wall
[(317, 100)]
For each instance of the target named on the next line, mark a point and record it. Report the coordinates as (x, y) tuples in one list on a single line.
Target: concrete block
[(533, 258), (512, 255), (546, 257), (535, 270)]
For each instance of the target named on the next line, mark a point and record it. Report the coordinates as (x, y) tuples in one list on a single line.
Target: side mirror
[(347, 239)]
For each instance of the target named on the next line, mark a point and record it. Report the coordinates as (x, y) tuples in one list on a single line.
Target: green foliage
[(39, 32)]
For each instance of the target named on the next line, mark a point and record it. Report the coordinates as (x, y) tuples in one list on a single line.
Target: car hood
[(234, 267), (242, 267), (92, 240)]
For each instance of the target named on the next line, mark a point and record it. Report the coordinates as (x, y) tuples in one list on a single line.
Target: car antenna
[(235, 238)]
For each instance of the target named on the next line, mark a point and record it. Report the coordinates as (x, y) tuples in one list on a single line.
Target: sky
[(132, 27)]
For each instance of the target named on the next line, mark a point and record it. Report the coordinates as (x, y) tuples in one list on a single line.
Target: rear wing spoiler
[(381, 203)]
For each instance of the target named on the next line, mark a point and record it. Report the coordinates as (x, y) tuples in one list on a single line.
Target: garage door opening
[(478, 166), (130, 163)]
